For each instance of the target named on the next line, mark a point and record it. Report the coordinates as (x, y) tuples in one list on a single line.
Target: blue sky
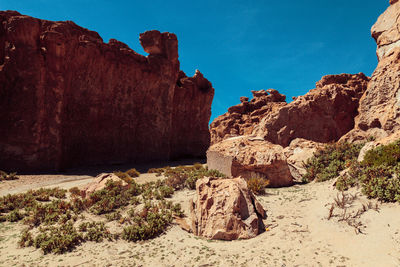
[(238, 45)]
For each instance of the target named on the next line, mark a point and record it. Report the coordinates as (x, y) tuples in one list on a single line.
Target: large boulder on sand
[(226, 209), (248, 157)]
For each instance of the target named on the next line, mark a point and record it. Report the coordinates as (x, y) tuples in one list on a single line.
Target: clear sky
[(238, 45)]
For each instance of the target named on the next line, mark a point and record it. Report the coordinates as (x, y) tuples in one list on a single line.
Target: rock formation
[(323, 115), (379, 112), (242, 119), (226, 209), (68, 98), (100, 182), (266, 136), (248, 157)]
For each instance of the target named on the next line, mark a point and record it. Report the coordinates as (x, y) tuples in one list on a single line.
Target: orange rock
[(379, 113), (226, 209), (323, 115)]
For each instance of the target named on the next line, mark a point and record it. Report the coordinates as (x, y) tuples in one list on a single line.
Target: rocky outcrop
[(269, 138), (379, 112), (323, 115), (225, 209), (243, 118), (249, 156), (68, 98)]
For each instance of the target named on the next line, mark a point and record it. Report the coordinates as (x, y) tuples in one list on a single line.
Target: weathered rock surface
[(249, 156), (243, 118), (297, 154), (379, 111), (323, 115), (269, 138), (68, 98), (226, 209), (100, 182)]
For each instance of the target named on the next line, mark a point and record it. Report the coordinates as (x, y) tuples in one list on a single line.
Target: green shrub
[(7, 177), (177, 210), (257, 185), (133, 173), (377, 174), (150, 224), (95, 231), (58, 239), (124, 176), (388, 155), (328, 162), (115, 216), (26, 239), (14, 216), (166, 191)]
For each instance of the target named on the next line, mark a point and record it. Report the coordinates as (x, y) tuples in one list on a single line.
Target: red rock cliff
[(68, 98)]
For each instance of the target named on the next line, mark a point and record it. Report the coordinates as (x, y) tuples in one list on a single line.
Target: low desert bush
[(58, 239), (133, 173), (95, 231), (377, 174), (187, 176), (52, 218), (328, 162), (8, 176), (257, 185), (124, 176), (149, 223)]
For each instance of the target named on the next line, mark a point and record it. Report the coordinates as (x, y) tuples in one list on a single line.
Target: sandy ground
[(299, 234)]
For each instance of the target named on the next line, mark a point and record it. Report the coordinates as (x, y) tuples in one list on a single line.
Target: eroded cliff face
[(379, 112), (267, 137), (68, 98), (324, 114)]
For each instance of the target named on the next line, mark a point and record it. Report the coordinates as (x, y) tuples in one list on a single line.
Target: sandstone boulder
[(226, 209), (100, 181), (248, 157), (297, 154), (67, 98)]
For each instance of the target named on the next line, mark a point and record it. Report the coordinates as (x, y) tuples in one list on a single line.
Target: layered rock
[(324, 114), (68, 98), (225, 209), (379, 112)]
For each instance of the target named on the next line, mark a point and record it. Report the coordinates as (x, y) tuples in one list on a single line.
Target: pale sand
[(299, 235)]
